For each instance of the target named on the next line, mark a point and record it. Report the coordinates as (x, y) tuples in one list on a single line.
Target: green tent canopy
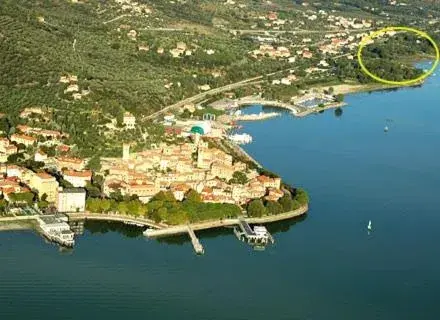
[(197, 129)]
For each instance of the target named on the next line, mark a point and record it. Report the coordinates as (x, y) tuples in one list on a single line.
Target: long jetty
[(198, 248)]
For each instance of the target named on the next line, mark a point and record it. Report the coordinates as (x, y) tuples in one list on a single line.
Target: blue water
[(325, 266)]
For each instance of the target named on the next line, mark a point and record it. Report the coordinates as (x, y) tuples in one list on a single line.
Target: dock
[(256, 236), (198, 248)]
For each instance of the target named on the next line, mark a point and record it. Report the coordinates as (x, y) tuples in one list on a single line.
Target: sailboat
[(369, 227)]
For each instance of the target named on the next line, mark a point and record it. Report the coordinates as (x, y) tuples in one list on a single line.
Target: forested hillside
[(90, 61)]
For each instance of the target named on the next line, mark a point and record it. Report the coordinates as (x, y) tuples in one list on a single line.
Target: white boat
[(241, 138), (386, 129), (369, 227)]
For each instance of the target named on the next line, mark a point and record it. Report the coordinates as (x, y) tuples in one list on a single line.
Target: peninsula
[(133, 112)]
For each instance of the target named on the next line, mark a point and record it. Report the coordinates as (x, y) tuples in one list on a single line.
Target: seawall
[(18, 223), (174, 230)]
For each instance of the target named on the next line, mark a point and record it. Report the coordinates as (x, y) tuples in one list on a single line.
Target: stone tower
[(125, 151)]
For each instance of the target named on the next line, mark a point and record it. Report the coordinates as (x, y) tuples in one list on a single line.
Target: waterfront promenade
[(17, 223), (116, 217), (181, 229)]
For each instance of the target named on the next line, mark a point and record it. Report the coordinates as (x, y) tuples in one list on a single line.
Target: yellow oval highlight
[(375, 34)]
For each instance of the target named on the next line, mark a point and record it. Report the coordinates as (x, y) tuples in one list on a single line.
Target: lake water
[(324, 266)]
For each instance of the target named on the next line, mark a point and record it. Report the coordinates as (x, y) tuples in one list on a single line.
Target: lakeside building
[(56, 230), (45, 184), (78, 179), (71, 200)]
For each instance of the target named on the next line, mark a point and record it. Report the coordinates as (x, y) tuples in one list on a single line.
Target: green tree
[(22, 197), (166, 196), (94, 163), (274, 207), (339, 97), (93, 205), (42, 205), (193, 196), (92, 191), (122, 208), (105, 205), (239, 177), (301, 196), (179, 217), (286, 202), (256, 208), (163, 213), (134, 207)]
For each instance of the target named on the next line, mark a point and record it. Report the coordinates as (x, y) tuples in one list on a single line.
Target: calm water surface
[(325, 266)]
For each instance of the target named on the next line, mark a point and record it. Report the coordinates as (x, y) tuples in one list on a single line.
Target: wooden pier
[(198, 248)]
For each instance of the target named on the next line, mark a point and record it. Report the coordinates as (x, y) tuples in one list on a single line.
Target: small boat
[(369, 227), (386, 129)]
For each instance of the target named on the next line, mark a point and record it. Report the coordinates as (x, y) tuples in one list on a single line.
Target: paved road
[(211, 92), (202, 95), (299, 31), (117, 18)]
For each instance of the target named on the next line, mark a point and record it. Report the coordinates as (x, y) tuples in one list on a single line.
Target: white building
[(71, 200), (40, 156), (78, 179), (126, 151), (129, 120)]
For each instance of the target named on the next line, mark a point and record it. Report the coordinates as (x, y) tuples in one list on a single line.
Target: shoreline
[(18, 223), (318, 109), (157, 230), (342, 88), (205, 225), (346, 88)]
